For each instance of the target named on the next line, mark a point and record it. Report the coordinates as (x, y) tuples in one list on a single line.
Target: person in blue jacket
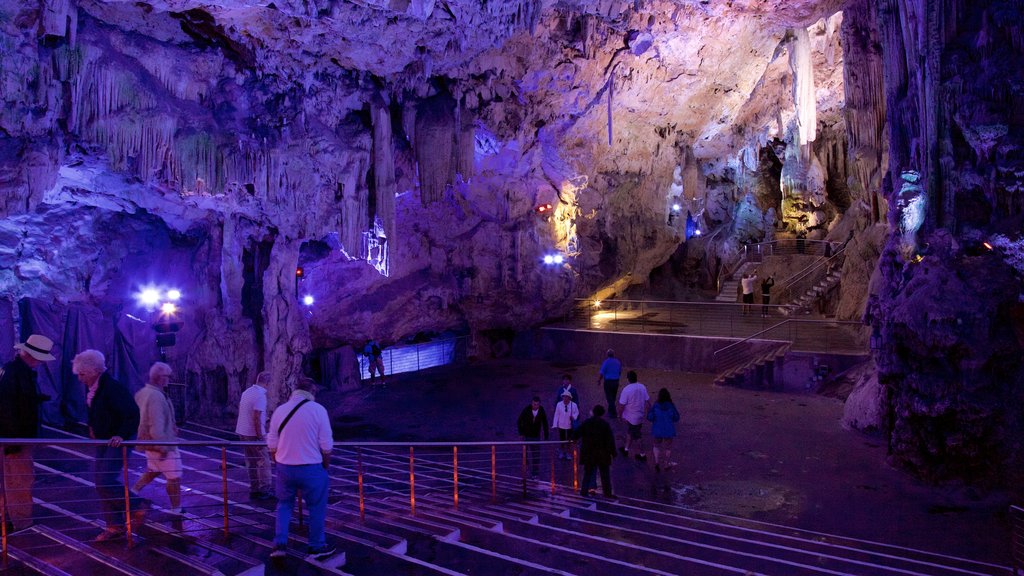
[(663, 416)]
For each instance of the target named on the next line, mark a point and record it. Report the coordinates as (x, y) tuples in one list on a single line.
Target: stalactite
[(383, 167), (435, 136), (802, 67), (865, 104), (466, 145)]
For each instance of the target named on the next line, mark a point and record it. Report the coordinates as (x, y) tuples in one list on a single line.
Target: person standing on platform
[(300, 441), (114, 417), (663, 416), (597, 449), (747, 283), (565, 416), (634, 402), (532, 423), (19, 418), (156, 423), (375, 359), (766, 294), (611, 371), (251, 427), (566, 386)]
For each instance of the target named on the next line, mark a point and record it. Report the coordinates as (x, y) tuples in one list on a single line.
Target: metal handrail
[(758, 335), (787, 284), (456, 467)]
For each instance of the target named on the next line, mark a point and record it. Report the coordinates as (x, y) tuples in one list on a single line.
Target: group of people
[(747, 284), (596, 441), (113, 416)]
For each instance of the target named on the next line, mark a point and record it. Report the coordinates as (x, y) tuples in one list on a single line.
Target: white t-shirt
[(564, 415), (253, 399), (634, 397), (748, 284), (307, 435)]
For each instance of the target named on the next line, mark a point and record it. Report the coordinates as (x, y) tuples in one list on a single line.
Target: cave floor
[(769, 456)]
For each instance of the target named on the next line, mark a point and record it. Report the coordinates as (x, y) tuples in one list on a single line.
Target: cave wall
[(946, 307)]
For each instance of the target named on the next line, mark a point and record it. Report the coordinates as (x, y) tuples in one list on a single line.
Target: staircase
[(730, 288), (746, 362), (473, 519), (804, 302)]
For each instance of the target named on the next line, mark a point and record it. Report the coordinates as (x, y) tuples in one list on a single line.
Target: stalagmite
[(383, 168)]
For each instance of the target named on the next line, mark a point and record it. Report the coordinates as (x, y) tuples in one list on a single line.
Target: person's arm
[(257, 423), (129, 412)]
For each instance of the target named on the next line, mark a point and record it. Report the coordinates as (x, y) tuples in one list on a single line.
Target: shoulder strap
[(289, 416)]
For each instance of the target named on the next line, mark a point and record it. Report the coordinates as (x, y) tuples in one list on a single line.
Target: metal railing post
[(359, 473), (455, 473), (575, 468), (3, 505), (127, 495), (224, 479), (494, 473), (552, 471), (412, 482), (524, 469)]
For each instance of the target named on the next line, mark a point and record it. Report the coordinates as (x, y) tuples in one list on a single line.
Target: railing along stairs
[(421, 509)]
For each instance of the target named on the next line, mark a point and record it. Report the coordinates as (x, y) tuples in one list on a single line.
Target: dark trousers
[(765, 299), (590, 478), (108, 474), (534, 455), (611, 388)]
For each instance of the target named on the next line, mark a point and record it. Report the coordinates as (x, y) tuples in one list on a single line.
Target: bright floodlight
[(559, 259), (174, 295), (676, 207), (696, 232), (149, 297), (168, 308), (549, 259), (307, 300)]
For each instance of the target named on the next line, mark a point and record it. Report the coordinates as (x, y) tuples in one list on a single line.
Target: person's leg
[(171, 468), (611, 388), (263, 465), (285, 490), (666, 452), (589, 477), (606, 479), (534, 457), (657, 453), (380, 368), (637, 441), (764, 306), (19, 475), (153, 459), (252, 463), (107, 474), (314, 491)]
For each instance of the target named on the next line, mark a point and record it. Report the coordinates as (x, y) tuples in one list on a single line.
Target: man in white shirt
[(747, 283), (634, 402), (251, 427), (300, 442)]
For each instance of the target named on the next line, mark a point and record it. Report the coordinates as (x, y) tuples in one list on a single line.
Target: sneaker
[(280, 551), (110, 533), (176, 511), (322, 552)]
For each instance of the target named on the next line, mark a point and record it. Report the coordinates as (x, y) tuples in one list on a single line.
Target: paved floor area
[(769, 456)]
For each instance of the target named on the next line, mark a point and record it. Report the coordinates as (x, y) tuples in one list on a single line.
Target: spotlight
[(696, 232), (676, 207), (307, 300), (543, 208), (597, 303), (549, 259), (299, 272), (558, 259), (174, 295), (168, 308), (149, 297), (986, 245)]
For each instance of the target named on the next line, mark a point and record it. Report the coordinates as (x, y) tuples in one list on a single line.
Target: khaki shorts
[(167, 464)]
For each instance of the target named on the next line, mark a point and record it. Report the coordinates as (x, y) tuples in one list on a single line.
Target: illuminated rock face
[(400, 154)]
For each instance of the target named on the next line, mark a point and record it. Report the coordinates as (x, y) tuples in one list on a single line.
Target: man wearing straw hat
[(19, 418)]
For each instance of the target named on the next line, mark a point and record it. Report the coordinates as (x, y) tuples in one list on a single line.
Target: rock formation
[(408, 164)]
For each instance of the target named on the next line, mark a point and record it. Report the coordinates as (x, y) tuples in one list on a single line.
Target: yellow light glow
[(597, 303), (168, 308)]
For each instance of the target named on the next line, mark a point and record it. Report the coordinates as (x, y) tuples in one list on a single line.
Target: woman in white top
[(566, 413)]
